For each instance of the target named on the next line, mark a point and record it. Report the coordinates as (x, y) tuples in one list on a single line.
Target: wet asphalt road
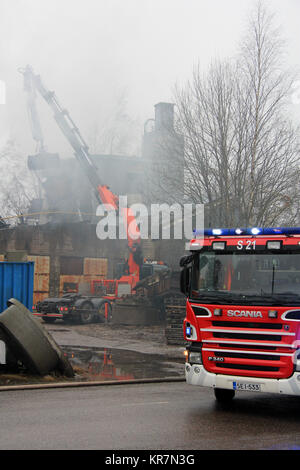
[(146, 416)]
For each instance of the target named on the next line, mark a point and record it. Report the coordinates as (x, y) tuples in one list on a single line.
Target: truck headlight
[(195, 357)]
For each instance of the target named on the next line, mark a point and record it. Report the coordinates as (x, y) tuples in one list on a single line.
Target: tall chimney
[(164, 117)]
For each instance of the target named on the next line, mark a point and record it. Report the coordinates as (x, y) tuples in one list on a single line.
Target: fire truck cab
[(242, 324)]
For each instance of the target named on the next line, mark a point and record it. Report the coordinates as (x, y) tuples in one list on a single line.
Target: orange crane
[(102, 192), (108, 289)]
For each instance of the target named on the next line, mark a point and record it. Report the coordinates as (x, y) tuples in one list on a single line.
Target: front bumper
[(196, 374), (50, 315)]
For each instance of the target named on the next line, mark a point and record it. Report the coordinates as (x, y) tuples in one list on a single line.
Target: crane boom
[(34, 121), (102, 192)]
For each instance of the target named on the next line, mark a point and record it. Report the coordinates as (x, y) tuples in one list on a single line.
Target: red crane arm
[(102, 192), (132, 229)]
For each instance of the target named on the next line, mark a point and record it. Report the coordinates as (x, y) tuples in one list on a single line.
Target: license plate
[(246, 386)]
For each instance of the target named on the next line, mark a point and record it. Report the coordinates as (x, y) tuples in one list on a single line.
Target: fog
[(91, 52)]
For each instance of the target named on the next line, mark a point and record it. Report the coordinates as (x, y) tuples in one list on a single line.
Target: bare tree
[(241, 149), (116, 134), (18, 186)]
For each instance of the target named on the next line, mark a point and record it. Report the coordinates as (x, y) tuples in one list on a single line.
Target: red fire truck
[(242, 324)]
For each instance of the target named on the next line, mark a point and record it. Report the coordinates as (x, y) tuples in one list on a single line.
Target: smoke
[(92, 52)]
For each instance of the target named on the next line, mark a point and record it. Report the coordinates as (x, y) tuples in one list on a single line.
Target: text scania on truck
[(242, 324)]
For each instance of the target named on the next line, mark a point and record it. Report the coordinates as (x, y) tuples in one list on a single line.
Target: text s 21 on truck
[(242, 321)]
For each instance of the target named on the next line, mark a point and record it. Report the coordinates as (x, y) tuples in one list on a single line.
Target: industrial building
[(60, 234)]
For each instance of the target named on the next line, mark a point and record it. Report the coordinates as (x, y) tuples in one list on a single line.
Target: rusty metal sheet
[(95, 266), (72, 283), (41, 264), (39, 296), (41, 283), (41, 277), (69, 283), (93, 278)]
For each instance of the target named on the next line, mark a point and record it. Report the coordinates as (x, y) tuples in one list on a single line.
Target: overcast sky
[(91, 51)]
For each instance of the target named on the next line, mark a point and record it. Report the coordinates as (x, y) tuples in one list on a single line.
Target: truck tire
[(87, 313), (30, 343), (223, 395)]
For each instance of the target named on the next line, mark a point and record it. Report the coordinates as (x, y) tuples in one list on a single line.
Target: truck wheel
[(87, 313), (223, 395)]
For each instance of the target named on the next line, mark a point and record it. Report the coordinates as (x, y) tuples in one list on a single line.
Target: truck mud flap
[(30, 342)]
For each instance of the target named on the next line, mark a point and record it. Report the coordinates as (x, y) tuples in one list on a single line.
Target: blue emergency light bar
[(248, 231)]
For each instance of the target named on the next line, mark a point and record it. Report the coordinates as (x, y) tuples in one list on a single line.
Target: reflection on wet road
[(117, 364)]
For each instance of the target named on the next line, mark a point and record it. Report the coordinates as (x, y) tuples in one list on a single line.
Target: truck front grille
[(260, 357), (241, 335), (248, 348), (247, 324), (249, 367)]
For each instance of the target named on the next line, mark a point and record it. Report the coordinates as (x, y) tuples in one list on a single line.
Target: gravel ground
[(129, 334), (149, 334), (145, 339)]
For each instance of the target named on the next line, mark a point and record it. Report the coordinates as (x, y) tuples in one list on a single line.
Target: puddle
[(102, 364)]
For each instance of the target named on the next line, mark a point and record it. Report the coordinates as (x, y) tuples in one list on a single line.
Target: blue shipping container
[(16, 280)]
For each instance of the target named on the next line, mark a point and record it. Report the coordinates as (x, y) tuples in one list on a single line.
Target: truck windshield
[(260, 278)]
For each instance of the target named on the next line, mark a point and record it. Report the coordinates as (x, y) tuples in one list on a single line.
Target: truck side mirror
[(185, 280)]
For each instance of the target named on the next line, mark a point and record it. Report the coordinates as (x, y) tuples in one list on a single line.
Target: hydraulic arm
[(71, 132)]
